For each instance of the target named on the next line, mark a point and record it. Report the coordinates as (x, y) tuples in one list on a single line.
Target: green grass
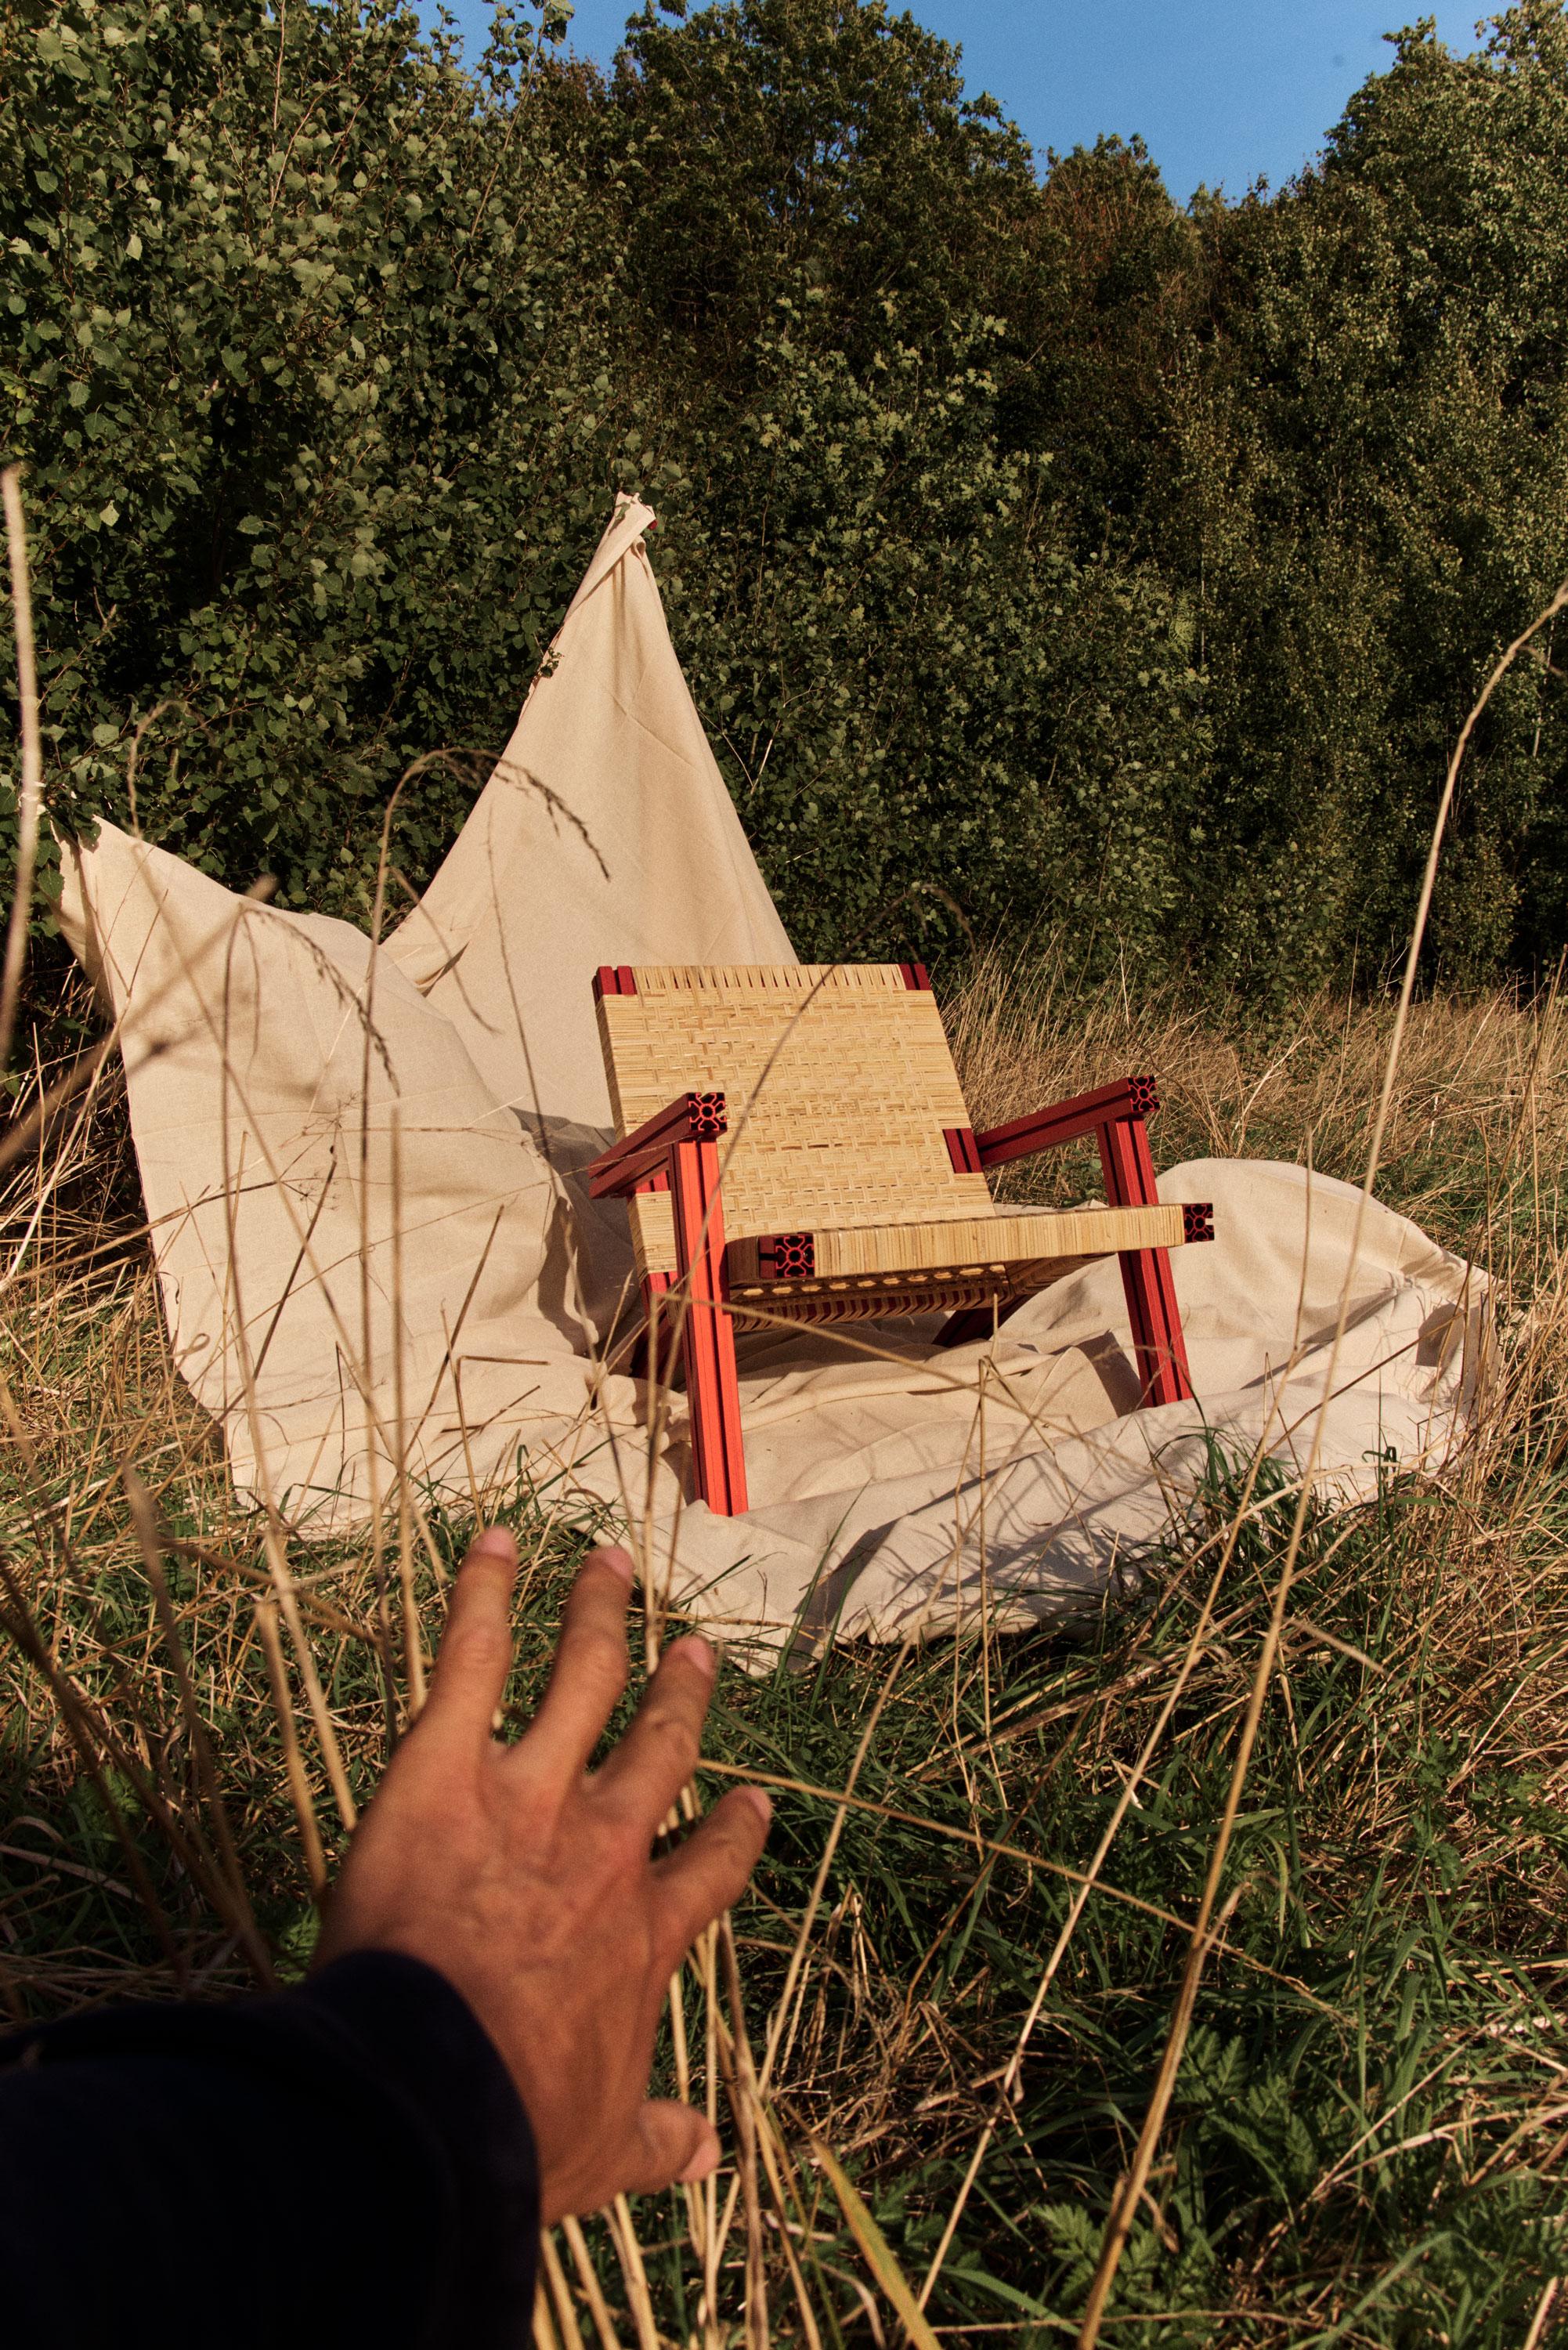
[(1366, 2140)]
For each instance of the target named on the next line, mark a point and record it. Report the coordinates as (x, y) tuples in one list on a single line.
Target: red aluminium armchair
[(851, 1184)]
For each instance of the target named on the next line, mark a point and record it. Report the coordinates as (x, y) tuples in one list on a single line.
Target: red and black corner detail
[(786, 1256)]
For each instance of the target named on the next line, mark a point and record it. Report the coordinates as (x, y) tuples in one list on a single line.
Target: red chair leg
[(1152, 1310), (976, 1322), (712, 1389), (641, 1363), (656, 1289)]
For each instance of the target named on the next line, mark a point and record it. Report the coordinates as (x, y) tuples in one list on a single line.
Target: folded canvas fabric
[(359, 1164)]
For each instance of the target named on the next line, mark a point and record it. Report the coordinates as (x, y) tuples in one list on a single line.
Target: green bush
[(1041, 555), (1376, 502), (919, 696), (304, 340)]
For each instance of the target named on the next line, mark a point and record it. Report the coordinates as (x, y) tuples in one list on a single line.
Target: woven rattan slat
[(839, 1085), (961, 1248), (879, 1298)]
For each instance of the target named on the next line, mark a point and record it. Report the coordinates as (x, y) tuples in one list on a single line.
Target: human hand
[(529, 1882)]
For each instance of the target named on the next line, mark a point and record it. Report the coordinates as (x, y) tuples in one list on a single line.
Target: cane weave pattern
[(838, 1084), (844, 1195), (878, 1302)]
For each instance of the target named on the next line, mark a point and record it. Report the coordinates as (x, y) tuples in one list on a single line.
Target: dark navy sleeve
[(344, 2163)]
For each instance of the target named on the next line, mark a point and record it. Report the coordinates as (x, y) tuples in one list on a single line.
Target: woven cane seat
[(844, 1189)]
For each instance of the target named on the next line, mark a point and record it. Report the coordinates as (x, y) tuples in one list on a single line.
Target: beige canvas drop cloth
[(359, 1165)]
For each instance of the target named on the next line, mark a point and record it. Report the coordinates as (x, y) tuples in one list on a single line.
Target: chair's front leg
[(1158, 1342), (712, 1387)]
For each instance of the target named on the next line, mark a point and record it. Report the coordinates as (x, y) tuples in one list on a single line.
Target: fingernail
[(763, 1802), (621, 1561), (696, 1651), (493, 1542), (705, 2160)]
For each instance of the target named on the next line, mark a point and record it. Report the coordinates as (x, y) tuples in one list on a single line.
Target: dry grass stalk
[(30, 802), (226, 1867), (293, 1760), (587, 2278)]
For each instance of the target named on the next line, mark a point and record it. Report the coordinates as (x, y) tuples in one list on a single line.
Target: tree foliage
[(1041, 554), (1374, 497)]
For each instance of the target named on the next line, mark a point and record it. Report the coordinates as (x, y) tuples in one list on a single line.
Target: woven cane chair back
[(838, 1082)]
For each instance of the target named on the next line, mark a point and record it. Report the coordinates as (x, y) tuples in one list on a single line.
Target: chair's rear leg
[(658, 1316), (976, 1322), (712, 1388), (1158, 1342)]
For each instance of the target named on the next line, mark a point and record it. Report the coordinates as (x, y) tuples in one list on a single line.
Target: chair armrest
[(628, 1164), (1065, 1121)]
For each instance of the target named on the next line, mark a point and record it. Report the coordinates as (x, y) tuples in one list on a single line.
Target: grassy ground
[(1365, 2142)]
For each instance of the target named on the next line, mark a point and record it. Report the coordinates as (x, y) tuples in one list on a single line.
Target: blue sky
[(1224, 92)]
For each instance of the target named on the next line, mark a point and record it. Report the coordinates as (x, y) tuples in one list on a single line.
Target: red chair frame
[(1116, 1116), (677, 1150)]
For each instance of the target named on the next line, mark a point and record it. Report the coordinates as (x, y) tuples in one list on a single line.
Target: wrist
[(424, 2038)]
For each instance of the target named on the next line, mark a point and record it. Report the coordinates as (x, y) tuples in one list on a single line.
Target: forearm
[(348, 2162)]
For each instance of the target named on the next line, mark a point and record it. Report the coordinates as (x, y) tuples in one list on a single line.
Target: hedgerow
[(1043, 557)]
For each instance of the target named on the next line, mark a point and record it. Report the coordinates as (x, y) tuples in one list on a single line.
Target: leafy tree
[(917, 690), (1375, 500), (1034, 547), (818, 149), (307, 357), (1102, 320)]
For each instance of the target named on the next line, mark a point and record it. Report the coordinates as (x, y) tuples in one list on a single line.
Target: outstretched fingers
[(709, 1872), (476, 1646), (589, 1672), (659, 1753)]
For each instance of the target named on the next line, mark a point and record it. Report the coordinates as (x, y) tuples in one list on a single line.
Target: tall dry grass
[(1196, 1978), (1364, 2138)]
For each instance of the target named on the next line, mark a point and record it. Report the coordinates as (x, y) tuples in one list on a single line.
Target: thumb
[(674, 2142)]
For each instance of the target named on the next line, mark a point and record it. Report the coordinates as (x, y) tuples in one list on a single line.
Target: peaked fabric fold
[(605, 835), (354, 1243)]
